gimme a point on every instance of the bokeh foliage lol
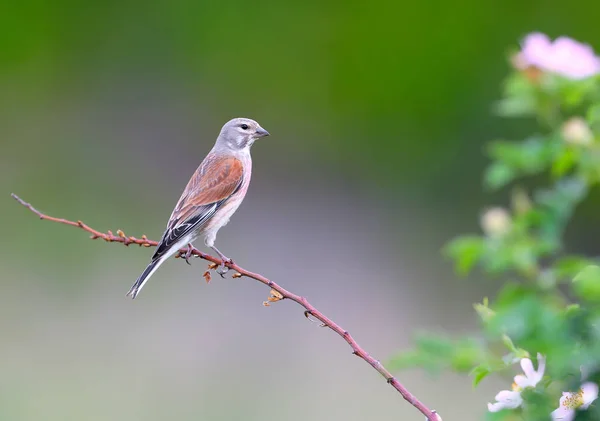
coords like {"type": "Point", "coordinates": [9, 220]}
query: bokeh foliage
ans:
{"type": "Point", "coordinates": [549, 304]}
{"type": "Point", "coordinates": [382, 71]}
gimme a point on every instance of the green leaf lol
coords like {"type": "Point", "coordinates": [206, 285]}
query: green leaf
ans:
{"type": "Point", "coordinates": [528, 157]}
{"type": "Point", "coordinates": [564, 162]}
{"type": "Point", "coordinates": [466, 355]}
{"type": "Point", "coordinates": [435, 353]}
{"type": "Point", "coordinates": [465, 251]}
{"type": "Point", "coordinates": [515, 107]}
{"type": "Point", "coordinates": [587, 283]}
{"type": "Point", "coordinates": [569, 266]}
{"type": "Point", "coordinates": [432, 353]}
{"type": "Point", "coordinates": [498, 175]}
{"type": "Point", "coordinates": [479, 373]}
{"type": "Point", "coordinates": [589, 163]}
{"type": "Point", "coordinates": [538, 405]}
{"type": "Point", "coordinates": [572, 310]}
{"type": "Point", "coordinates": [508, 343]}
{"type": "Point", "coordinates": [484, 311]}
{"type": "Point", "coordinates": [435, 345]}
{"type": "Point", "coordinates": [530, 320]}
{"type": "Point", "coordinates": [558, 204]}
{"type": "Point", "coordinates": [593, 115]}
{"type": "Point", "coordinates": [519, 97]}
{"type": "Point", "coordinates": [573, 93]}
{"type": "Point", "coordinates": [518, 85]}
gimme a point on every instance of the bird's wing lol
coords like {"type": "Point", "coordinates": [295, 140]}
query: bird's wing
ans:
{"type": "Point", "coordinates": [215, 180]}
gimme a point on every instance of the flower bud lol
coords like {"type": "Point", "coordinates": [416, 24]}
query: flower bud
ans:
{"type": "Point", "coordinates": [496, 222]}
{"type": "Point", "coordinates": [577, 132]}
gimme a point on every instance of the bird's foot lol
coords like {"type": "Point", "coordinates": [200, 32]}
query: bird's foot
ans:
{"type": "Point", "coordinates": [188, 253]}
{"type": "Point", "coordinates": [222, 270]}
{"type": "Point", "coordinates": [224, 260]}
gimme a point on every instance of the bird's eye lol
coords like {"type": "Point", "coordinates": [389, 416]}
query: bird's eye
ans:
{"type": "Point", "coordinates": [244, 127]}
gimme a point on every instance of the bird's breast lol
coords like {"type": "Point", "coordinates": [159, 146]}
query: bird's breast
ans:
{"type": "Point", "coordinates": [221, 217]}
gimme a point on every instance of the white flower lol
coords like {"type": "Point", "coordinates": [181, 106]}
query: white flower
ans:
{"type": "Point", "coordinates": [564, 56]}
{"type": "Point", "coordinates": [511, 399]}
{"type": "Point", "coordinates": [572, 401]}
{"type": "Point", "coordinates": [506, 399]}
{"type": "Point", "coordinates": [576, 131]}
{"type": "Point", "coordinates": [496, 222]}
{"type": "Point", "coordinates": [532, 377]}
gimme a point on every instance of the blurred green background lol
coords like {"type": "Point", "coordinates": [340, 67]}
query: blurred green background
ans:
{"type": "Point", "coordinates": [378, 112]}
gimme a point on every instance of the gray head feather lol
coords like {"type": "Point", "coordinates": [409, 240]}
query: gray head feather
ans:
{"type": "Point", "coordinates": [239, 134]}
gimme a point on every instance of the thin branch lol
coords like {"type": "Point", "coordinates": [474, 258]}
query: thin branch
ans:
{"type": "Point", "coordinates": [277, 293]}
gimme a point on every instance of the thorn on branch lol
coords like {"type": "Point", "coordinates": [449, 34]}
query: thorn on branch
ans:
{"type": "Point", "coordinates": [311, 317]}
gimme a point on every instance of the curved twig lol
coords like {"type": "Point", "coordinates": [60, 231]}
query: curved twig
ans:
{"type": "Point", "coordinates": [310, 310]}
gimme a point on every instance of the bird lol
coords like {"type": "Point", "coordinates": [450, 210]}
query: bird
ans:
{"type": "Point", "coordinates": [210, 198]}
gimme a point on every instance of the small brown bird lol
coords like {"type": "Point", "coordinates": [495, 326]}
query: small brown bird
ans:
{"type": "Point", "coordinates": [212, 195]}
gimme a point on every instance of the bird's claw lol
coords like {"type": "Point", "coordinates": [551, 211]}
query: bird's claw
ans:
{"type": "Point", "coordinates": [222, 270]}
{"type": "Point", "coordinates": [188, 254]}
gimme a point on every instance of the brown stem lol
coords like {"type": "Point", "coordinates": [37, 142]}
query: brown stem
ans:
{"type": "Point", "coordinates": [311, 311]}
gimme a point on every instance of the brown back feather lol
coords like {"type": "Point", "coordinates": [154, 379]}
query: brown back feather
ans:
{"type": "Point", "coordinates": [216, 179]}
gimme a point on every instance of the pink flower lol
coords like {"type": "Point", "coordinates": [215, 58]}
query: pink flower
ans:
{"type": "Point", "coordinates": [572, 401]}
{"type": "Point", "coordinates": [564, 56]}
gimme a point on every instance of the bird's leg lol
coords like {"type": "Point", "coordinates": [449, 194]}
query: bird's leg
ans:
{"type": "Point", "coordinates": [223, 269]}
{"type": "Point", "coordinates": [188, 253]}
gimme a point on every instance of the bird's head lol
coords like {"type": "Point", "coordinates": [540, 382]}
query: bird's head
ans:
{"type": "Point", "coordinates": [240, 133]}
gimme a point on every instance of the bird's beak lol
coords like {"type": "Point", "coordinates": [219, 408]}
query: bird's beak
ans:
{"type": "Point", "coordinates": [260, 132]}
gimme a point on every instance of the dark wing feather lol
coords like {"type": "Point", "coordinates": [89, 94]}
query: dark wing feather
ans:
{"type": "Point", "coordinates": [215, 180]}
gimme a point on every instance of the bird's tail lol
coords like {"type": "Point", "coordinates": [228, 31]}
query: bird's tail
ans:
{"type": "Point", "coordinates": [146, 274]}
